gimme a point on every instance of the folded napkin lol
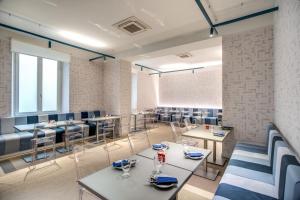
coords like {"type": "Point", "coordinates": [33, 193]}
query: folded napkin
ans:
{"type": "Point", "coordinates": [159, 146]}
{"type": "Point", "coordinates": [193, 154]}
{"type": "Point", "coordinates": [119, 163]}
{"type": "Point", "coordinates": [219, 133]}
{"type": "Point", "coordinates": [165, 180]}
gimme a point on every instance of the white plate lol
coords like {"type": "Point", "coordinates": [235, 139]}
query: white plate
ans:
{"type": "Point", "coordinates": [164, 186]}
{"type": "Point", "coordinates": [162, 148]}
{"type": "Point", "coordinates": [194, 158]}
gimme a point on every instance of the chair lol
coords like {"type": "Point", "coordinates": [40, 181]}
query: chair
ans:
{"type": "Point", "coordinates": [177, 135]}
{"type": "Point", "coordinates": [188, 125]}
{"type": "Point", "coordinates": [108, 128]}
{"type": "Point", "coordinates": [86, 163]}
{"type": "Point", "coordinates": [150, 119]}
{"type": "Point", "coordinates": [40, 144]}
{"type": "Point", "coordinates": [72, 134]}
{"type": "Point", "coordinates": [38, 141]}
{"type": "Point", "coordinates": [130, 135]}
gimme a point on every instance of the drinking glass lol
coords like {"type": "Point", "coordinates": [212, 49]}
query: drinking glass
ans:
{"type": "Point", "coordinates": [157, 164]}
{"type": "Point", "coordinates": [126, 169]}
{"type": "Point", "coordinates": [186, 147]}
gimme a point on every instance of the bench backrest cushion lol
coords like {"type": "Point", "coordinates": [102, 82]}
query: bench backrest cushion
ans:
{"type": "Point", "coordinates": [7, 123]}
{"type": "Point", "coordinates": [289, 183]}
{"type": "Point", "coordinates": [281, 149]}
{"type": "Point", "coordinates": [89, 114]}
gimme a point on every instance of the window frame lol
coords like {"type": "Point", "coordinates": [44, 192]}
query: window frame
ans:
{"type": "Point", "coordinates": [39, 86]}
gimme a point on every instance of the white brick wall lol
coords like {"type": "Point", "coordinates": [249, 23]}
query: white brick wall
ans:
{"type": "Point", "coordinates": [85, 85]}
{"type": "Point", "coordinates": [147, 90]}
{"type": "Point", "coordinates": [287, 70]}
{"type": "Point", "coordinates": [117, 89]}
{"type": "Point", "coordinates": [185, 89]}
{"type": "Point", "coordinates": [248, 84]}
{"type": "Point", "coordinates": [5, 78]}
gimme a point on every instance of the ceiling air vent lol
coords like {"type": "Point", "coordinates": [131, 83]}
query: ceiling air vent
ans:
{"type": "Point", "coordinates": [184, 55]}
{"type": "Point", "coordinates": [132, 25]}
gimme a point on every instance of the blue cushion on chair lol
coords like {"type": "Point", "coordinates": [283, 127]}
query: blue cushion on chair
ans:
{"type": "Point", "coordinates": [53, 117]}
{"type": "Point", "coordinates": [32, 119]}
{"type": "Point", "coordinates": [97, 113]}
{"type": "Point", "coordinates": [84, 115]}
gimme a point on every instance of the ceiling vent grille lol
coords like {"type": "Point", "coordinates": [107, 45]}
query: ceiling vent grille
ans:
{"type": "Point", "coordinates": [132, 25]}
{"type": "Point", "coordinates": [184, 55]}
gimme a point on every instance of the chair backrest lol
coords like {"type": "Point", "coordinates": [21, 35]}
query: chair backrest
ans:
{"type": "Point", "coordinates": [187, 124]}
{"type": "Point", "coordinates": [125, 123]}
{"type": "Point", "coordinates": [177, 135]}
{"type": "Point", "coordinates": [88, 160]}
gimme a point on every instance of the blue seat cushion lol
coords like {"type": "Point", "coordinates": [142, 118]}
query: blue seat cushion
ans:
{"type": "Point", "coordinates": [251, 148]}
{"type": "Point", "coordinates": [59, 134]}
{"type": "Point", "coordinates": [251, 166]}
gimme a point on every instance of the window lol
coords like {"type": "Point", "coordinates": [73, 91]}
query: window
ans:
{"type": "Point", "coordinates": [37, 85]}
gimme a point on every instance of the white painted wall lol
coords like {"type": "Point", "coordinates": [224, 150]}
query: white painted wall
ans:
{"type": "Point", "coordinates": [185, 89]}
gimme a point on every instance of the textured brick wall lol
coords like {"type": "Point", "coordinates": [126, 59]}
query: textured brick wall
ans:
{"type": "Point", "coordinates": [85, 85]}
{"type": "Point", "coordinates": [248, 84]}
{"type": "Point", "coordinates": [111, 86]}
{"type": "Point", "coordinates": [185, 89]}
{"type": "Point", "coordinates": [5, 78]}
{"type": "Point", "coordinates": [117, 89]}
{"type": "Point", "coordinates": [287, 70]}
{"type": "Point", "coordinates": [147, 90]}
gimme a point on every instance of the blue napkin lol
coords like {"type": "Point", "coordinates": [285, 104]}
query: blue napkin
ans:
{"type": "Point", "coordinates": [193, 154]}
{"type": "Point", "coordinates": [158, 146]}
{"type": "Point", "coordinates": [219, 133]}
{"type": "Point", "coordinates": [165, 180]}
{"type": "Point", "coordinates": [119, 163]}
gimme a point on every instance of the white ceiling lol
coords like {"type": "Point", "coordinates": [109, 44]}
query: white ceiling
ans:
{"type": "Point", "coordinates": [94, 18]}
{"type": "Point", "coordinates": [204, 54]}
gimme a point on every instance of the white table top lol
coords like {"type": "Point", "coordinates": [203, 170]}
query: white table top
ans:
{"type": "Point", "coordinates": [142, 113]}
{"type": "Point", "coordinates": [202, 133]}
{"type": "Point", "coordinates": [97, 119]}
{"type": "Point", "coordinates": [175, 156]}
{"type": "Point", "coordinates": [45, 125]}
{"type": "Point", "coordinates": [108, 183]}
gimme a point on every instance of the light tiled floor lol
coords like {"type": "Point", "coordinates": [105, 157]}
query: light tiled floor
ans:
{"type": "Point", "coordinates": [57, 182]}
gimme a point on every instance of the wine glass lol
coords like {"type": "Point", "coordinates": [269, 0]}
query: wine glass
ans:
{"type": "Point", "coordinates": [126, 168]}
{"type": "Point", "coordinates": [157, 164]}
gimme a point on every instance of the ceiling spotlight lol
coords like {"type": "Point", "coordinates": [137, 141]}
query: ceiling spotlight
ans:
{"type": "Point", "coordinates": [211, 32]}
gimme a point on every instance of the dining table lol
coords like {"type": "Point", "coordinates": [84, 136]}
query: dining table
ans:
{"type": "Point", "coordinates": [97, 121]}
{"type": "Point", "coordinates": [135, 119]}
{"type": "Point", "coordinates": [208, 135]}
{"type": "Point", "coordinates": [108, 183]}
{"type": "Point", "coordinates": [175, 156]}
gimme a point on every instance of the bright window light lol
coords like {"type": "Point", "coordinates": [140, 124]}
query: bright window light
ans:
{"type": "Point", "coordinates": [82, 39]}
